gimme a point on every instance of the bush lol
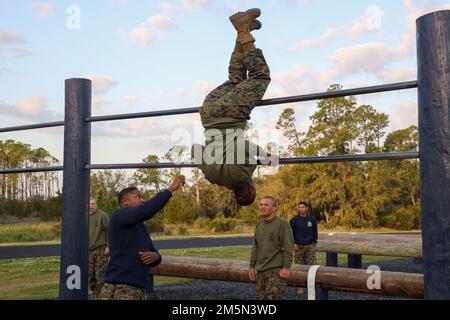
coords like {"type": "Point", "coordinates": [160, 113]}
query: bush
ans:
{"type": "Point", "coordinates": [223, 224]}
{"type": "Point", "coordinates": [155, 224]}
{"type": "Point", "coordinates": [182, 230]}
{"type": "Point", "coordinates": [405, 218]}
{"type": "Point", "coordinates": [203, 224]}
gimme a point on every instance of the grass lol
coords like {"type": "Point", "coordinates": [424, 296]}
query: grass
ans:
{"type": "Point", "coordinates": [33, 232]}
{"type": "Point", "coordinates": [38, 278]}
{"type": "Point", "coordinates": [29, 232]}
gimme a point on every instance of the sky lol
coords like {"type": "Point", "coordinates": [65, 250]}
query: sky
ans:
{"type": "Point", "coordinates": [156, 55]}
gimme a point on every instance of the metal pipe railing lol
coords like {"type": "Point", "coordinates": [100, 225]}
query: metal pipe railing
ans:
{"type": "Point", "coordinates": [283, 161]}
{"type": "Point", "coordinates": [33, 126]}
{"type": "Point", "coordinates": [267, 102]}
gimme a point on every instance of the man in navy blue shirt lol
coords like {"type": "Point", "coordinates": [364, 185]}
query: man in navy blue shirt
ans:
{"type": "Point", "coordinates": [131, 248]}
{"type": "Point", "coordinates": [304, 227]}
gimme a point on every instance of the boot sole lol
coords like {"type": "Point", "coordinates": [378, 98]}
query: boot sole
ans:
{"type": "Point", "coordinates": [255, 25]}
{"type": "Point", "coordinates": [255, 13]}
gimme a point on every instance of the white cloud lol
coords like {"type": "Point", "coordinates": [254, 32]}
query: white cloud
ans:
{"type": "Point", "coordinates": [329, 35]}
{"type": "Point", "coordinates": [404, 114]}
{"type": "Point", "coordinates": [358, 28]}
{"type": "Point", "coordinates": [142, 35]}
{"type": "Point", "coordinates": [161, 21]}
{"type": "Point", "coordinates": [101, 84]}
{"type": "Point", "coordinates": [98, 104]}
{"type": "Point", "coordinates": [43, 9]}
{"type": "Point", "coordinates": [9, 41]}
{"type": "Point", "coordinates": [179, 93]}
{"type": "Point", "coordinates": [33, 106]}
{"type": "Point", "coordinates": [368, 57]}
{"type": "Point", "coordinates": [19, 52]}
{"type": "Point", "coordinates": [408, 42]}
{"type": "Point", "coordinates": [168, 6]}
{"type": "Point", "coordinates": [195, 4]}
{"type": "Point", "coordinates": [130, 100]}
{"type": "Point", "coordinates": [398, 75]}
{"type": "Point", "coordinates": [9, 38]}
{"type": "Point", "coordinates": [132, 128]}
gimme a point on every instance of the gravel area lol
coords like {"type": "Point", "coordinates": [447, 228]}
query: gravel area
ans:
{"type": "Point", "coordinates": [221, 290]}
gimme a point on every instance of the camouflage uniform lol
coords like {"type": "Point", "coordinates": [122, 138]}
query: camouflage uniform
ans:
{"type": "Point", "coordinates": [269, 285]}
{"type": "Point", "coordinates": [306, 255]}
{"type": "Point", "coordinates": [112, 291]}
{"type": "Point", "coordinates": [97, 266]}
{"type": "Point", "coordinates": [237, 97]}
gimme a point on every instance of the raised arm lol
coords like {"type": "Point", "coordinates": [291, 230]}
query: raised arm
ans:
{"type": "Point", "coordinates": [147, 210]}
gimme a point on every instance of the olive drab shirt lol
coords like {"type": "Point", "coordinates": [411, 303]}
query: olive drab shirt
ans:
{"type": "Point", "coordinates": [273, 245]}
{"type": "Point", "coordinates": [98, 223]}
{"type": "Point", "coordinates": [236, 160]}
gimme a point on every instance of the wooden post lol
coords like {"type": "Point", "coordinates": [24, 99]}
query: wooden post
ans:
{"type": "Point", "coordinates": [433, 59]}
{"type": "Point", "coordinates": [77, 149]}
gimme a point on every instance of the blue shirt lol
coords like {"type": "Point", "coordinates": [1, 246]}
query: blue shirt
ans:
{"type": "Point", "coordinates": [304, 229]}
{"type": "Point", "coordinates": [127, 235]}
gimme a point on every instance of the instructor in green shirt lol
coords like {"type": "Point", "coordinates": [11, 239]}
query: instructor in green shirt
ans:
{"type": "Point", "coordinates": [98, 247]}
{"type": "Point", "coordinates": [272, 252]}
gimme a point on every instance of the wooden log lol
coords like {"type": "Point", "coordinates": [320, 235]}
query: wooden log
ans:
{"type": "Point", "coordinates": [408, 250]}
{"type": "Point", "coordinates": [372, 237]}
{"type": "Point", "coordinates": [398, 284]}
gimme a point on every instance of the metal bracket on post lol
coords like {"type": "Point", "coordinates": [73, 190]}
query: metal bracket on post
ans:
{"type": "Point", "coordinates": [332, 259]}
{"type": "Point", "coordinates": [75, 227]}
{"type": "Point", "coordinates": [355, 261]}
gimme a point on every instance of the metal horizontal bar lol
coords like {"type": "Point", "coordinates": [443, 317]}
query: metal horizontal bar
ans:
{"type": "Point", "coordinates": [158, 165]}
{"type": "Point", "coordinates": [299, 98]}
{"type": "Point", "coordinates": [26, 170]}
{"type": "Point", "coordinates": [267, 102]}
{"type": "Point", "coordinates": [149, 114]}
{"type": "Point", "coordinates": [283, 161]}
{"type": "Point", "coordinates": [342, 93]}
{"type": "Point", "coordinates": [353, 157]}
{"type": "Point", "coordinates": [33, 126]}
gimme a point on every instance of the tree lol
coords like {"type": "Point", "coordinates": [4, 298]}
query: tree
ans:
{"type": "Point", "coordinates": [332, 125]}
{"type": "Point", "coordinates": [286, 123]}
{"type": "Point", "coordinates": [149, 179]}
{"type": "Point", "coordinates": [370, 126]}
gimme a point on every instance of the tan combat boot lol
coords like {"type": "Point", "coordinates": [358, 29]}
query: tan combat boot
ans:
{"type": "Point", "coordinates": [244, 23]}
{"type": "Point", "coordinates": [241, 20]}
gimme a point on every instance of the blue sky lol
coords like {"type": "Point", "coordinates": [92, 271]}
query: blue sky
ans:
{"type": "Point", "coordinates": [153, 55]}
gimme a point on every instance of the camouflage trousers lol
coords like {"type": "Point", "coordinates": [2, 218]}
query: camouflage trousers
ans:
{"type": "Point", "coordinates": [237, 97]}
{"type": "Point", "coordinates": [269, 285]}
{"type": "Point", "coordinates": [306, 255]}
{"type": "Point", "coordinates": [97, 267]}
{"type": "Point", "coordinates": [111, 291]}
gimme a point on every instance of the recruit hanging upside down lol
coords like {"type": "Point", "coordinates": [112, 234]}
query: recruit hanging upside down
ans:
{"type": "Point", "coordinates": [226, 110]}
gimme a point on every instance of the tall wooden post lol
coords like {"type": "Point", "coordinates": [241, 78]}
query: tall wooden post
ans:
{"type": "Point", "coordinates": [75, 228]}
{"type": "Point", "coordinates": [433, 57]}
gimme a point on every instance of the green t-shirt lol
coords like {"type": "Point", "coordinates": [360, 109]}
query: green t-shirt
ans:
{"type": "Point", "coordinates": [98, 234]}
{"type": "Point", "coordinates": [235, 162]}
{"type": "Point", "coordinates": [224, 123]}
{"type": "Point", "coordinates": [273, 245]}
